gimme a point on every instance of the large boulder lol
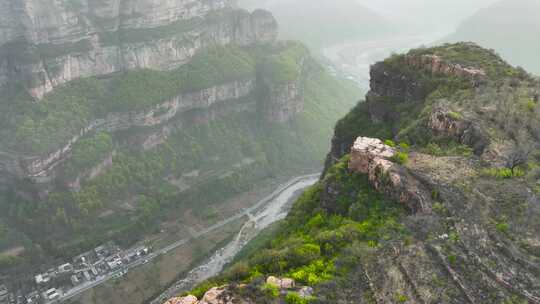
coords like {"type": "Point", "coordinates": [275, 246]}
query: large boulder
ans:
{"type": "Point", "coordinates": [282, 283]}
{"type": "Point", "coordinates": [217, 295]}
{"type": "Point", "coordinates": [372, 157]}
{"type": "Point", "coordinates": [183, 300]}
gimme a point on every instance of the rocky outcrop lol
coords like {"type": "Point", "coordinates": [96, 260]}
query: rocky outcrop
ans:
{"type": "Point", "coordinates": [57, 22]}
{"type": "Point", "coordinates": [229, 294]}
{"type": "Point", "coordinates": [183, 300]}
{"type": "Point", "coordinates": [391, 84]}
{"type": "Point", "coordinates": [451, 124]}
{"type": "Point", "coordinates": [286, 100]}
{"type": "Point", "coordinates": [372, 157]}
{"type": "Point", "coordinates": [436, 65]}
{"type": "Point", "coordinates": [56, 42]}
{"type": "Point", "coordinates": [41, 168]}
{"type": "Point", "coordinates": [401, 83]}
{"type": "Point", "coordinates": [216, 295]}
{"type": "Point", "coordinates": [282, 283]}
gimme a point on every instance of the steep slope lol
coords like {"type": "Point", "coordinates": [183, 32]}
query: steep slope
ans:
{"type": "Point", "coordinates": [325, 24]}
{"type": "Point", "coordinates": [509, 27]}
{"type": "Point", "coordinates": [47, 43]}
{"type": "Point", "coordinates": [199, 103]}
{"type": "Point", "coordinates": [448, 215]}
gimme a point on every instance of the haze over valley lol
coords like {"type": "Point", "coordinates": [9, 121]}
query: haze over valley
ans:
{"type": "Point", "coordinates": [269, 151]}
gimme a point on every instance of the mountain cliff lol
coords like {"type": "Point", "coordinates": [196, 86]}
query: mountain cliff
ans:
{"type": "Point", "coordinates": [430, 195]}
{"type": "Point", "coordinates": [144, 110]}
{"type": "Point", "coordinates": [47, 43]}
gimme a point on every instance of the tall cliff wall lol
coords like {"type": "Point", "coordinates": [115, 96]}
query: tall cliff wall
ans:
{"type": "Point", "coordinates": [47, 43]}
{"type": "Point", "coordinates": [41, 168]}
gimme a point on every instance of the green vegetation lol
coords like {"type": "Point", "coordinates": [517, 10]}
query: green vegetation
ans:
{"type": "Point", "coordinates": [502, 227]}
{"type": "Point", "coordinates": [233, 152]}
{"type": "Point", "coordinates": [531, 105]}
{"type": "Point", "coordinates": [310, 245]}
{"type": "Point", "coordinates": [270, 290]}
{"type": "Point", "coordinates": [285, 66]}
{"type": "Point", "coordinates": [390, 143]}
{"type": "Point", "coordinates": [401, 298]}
{"type": "Point", "coordinates": [452, 259]}
{"type": "Point", "coordinates": [294, 298]}
{"type": "Point", "coordinates": [43, 126]}
{"type": "Point", "coordinates": [471, 55]}
{"type": "Point", "coordinates": [455, 115]}
{"type": "Point", "coordinates": [447, 148]}
{"type": "Point", "coordinates": [88, 152]}
{"type": "Point", "coordinates": [48, 125]}
{"type": "Point", "coordinates": [503, 173]}
{"type": "Point", "coordinates": [401, 158]}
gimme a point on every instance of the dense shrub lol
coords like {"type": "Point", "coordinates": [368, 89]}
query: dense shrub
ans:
{"type": "Point", "coordinates": [401, 158]}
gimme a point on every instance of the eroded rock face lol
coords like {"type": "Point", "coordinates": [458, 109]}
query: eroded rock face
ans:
{"type": "Point", "coordinates": [286, 100]}
{"type": "Point", "coordinates": [56, 42]}
{"type": "Point", "coordinates": [41, 168]}
{"type": "Point", "coordinates": [372, 157]}
{"type": "Point", "coordinates": [444, 122]}
{"type": "Point", "coordinates": [437, 65]}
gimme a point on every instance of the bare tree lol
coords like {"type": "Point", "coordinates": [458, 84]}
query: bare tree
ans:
{"type": "Point", "coordinates": [519, 154]}
{"type": "Point", "coordinates": [517, 158]}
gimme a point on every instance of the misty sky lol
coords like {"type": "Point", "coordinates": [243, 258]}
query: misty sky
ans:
{"type": "Point", "coordinates": [426, 15]}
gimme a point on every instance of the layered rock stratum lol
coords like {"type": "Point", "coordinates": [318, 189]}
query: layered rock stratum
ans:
{"type": "Point", "coordinates": [47, 43]}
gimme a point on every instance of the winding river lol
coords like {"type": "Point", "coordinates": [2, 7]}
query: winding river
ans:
{"type": "Point", "coordinates": [269, 210]}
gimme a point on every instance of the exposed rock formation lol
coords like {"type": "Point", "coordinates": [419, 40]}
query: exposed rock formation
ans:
{"type": "Point", "coordinates": [372, 157]}
{"type": "Point", "coordinates": [216, 295]}
{"type": "Point", "coordinates": [282, 283]}
{"type": "Point", "coordinates": [41, 168]}
{"type": "Point", "coordinates": [444, 122]}
{"type": "Point", "coordinates": [436, 65]}
{"type": "Point", "coordinates": [398, 84]}
{"type": "Point", "coordinates": [56, 42]}
{"type": "Point", "coordinates": [183, 300]}
{"type": "Point", "coordinates": [286, 101]}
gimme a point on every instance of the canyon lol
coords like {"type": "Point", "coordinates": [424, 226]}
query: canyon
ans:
{"type": "Point", "coordinates": [134, 116]}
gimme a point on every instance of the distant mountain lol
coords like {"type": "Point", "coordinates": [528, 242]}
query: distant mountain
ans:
{"type": "Point", "coordinates": [426, 16]}
{"type": "Point", "coordinates": [328, 22]}
{"type": "Point", "coordinates": [511, 27]}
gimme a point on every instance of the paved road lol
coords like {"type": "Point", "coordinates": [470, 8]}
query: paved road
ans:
{"type": "Point", "coordinates": [246, 212]}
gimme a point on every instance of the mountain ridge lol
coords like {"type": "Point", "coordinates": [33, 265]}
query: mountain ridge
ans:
{"type": "Point", "coordinates": [429, 195]}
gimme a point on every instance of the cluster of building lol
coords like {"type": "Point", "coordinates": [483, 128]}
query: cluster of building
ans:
{"type": "Point", "coordinates": [8, 297]}
{"type": "Point", "coordinates": [105, 260]}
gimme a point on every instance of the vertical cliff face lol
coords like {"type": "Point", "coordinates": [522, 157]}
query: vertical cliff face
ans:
{"type": "Point", "coordinates": [56, 22]}
{"type": "Point", "coordinates": [56, 42]}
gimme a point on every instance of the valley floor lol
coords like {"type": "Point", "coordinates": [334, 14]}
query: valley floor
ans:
{"type": "Point", "coordinates": [171, 264]}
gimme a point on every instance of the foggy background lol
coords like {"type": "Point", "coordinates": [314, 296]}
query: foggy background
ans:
{"type": "Point", "coordinates": [353, 34]}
